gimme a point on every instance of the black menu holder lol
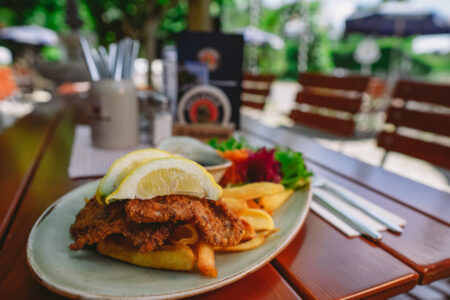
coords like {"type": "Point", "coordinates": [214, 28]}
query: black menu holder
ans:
{"type": "Point", "coordinates": [223, 54]}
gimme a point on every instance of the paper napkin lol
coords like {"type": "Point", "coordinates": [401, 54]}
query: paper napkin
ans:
{"type": "Point", "coordinates": [88, 161]}
{"type": "Point", "coordinates": [337, 222]}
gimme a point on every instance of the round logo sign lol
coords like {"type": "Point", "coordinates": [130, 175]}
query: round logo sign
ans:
{"type": "Point", "coordinates": [204, 104]}
{"type": "Point", "coordinates": [210, 57]}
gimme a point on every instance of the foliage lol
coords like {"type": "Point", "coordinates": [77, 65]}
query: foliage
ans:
{"type": "Point", "coordinates": [51, 53]}
{"type": "Point", "coordinates": [45, 13]}
{"type": "Point", "coordinates": [285, 64]}
{"type": "Point", "coordinates": [113, 19]}
{"type": "Point", "coordinates": [174, 22]}
{"type": "Point", "coordinates": [392, 51]}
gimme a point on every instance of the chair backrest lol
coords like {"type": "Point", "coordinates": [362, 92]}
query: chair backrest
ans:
{"type": "Point", "coordinates": [255, 89]}
{"type": "Point", "coordinates": [425, 108]}
{"type": "Point", "coordinates": [340, 96]}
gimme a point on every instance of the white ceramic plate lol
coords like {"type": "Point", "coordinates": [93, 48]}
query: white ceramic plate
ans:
{"type": "Point", "coordinates": [87, 274]}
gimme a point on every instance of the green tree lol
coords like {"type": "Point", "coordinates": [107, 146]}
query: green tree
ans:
{"type": "Point", "coordinates": [45, 13]}
{"type": "Point", "coordinates": [139, 19]}
{"type": "Point", "coordinates": [319, 47]}
{"type": "Point", "coordinates": [392, 49]}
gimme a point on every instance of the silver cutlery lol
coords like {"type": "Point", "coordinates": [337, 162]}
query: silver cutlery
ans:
{"type": "Point", "coordinates": [98, 63]}
{"type": "Point", "coordinates": [318, 182]}
{"type": "Point", "coordinates": [92, 68]}
{"type": "Point", "coordinates": [104, 59]}
{"type": "Point", "coordinates": [134, 55]}
{"type": "Point", "coordinates": [365, 230]}
{"type": "Point", "coordinates": [116, 65]}
{"type": "Point", "coordinates": [112, 58]}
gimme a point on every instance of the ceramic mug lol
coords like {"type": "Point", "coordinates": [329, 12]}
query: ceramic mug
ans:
{"type": "Point", "coordinates": [115, 114]}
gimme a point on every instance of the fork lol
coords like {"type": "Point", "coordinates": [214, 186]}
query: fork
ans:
{"type": "Point", "coordinates": [318, 182]}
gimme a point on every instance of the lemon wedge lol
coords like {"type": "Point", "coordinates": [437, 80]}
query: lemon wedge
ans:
{"type": "Point", "coordinates": [123, 166]}
{"type": "Point", "coordinates": [167, 176]}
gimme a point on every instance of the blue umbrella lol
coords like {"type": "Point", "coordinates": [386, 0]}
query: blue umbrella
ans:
{"type": "Point", "coordinates": [397, 19]}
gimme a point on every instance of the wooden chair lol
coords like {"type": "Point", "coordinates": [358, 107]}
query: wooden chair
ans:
{"type": "Point", "coordinates": [255, 89]}
{"type": "Point", "coordinates": [341, 97]}
{"type": "Point", "coordinates": [424, 107]}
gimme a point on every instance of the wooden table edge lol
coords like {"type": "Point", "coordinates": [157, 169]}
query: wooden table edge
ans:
{"type": "Point", "coordinates": [25, 182]}
{"type": "Point", "coordinates": [405, 284]}
{"type": "Point", "coordinates": [427, 274]}
{"type": "Point", "coordinates": [368, 187]}
{"type": "Point", "coordinates": [391, 288]}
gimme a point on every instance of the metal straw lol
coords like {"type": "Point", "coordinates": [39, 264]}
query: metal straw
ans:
{"type": "Point", "coordinates": [134, 55]}
{"type": "Point", "coordinates": [128, 43]}
{"type": "Point", "coordinates": [93, 71]}
{"type": "Point", "coordinates": [117, 64]}
{"type": "Point", "coordinates": [112, 58]}
{"type": "Point", "coordinates": [104, 60]}
{"type": "Point", "coordinates": [98, 63]}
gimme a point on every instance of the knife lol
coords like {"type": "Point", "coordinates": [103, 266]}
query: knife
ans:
{"type": "Point", "coordinates": [320, 183]}
{"type": "Point", "coordinates": [365, 230]}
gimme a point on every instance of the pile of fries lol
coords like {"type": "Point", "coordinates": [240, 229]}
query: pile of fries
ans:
{"type": "Point", "coordinates": [253, 203]}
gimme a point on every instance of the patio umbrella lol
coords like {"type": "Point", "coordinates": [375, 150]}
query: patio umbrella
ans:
{"type": "Point", "coordinates": [397, 19]}
{"type": "Point", "coordinates": [30, 35]}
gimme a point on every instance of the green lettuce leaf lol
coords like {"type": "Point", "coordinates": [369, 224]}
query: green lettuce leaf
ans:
{"type": "Point", "coordinates": [294, 172]}
{"type": "Point", "coordinates": [230, 144]}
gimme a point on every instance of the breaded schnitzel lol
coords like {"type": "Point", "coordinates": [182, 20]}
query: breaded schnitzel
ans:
{"type": "Point", "coordinates": [95, 222]}
{"type": "Point", "coordinates": [217, 225]}
{"type": "Point", "coordinates": [146, 224]}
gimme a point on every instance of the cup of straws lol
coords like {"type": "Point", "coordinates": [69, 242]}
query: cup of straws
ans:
{"type": "Point", "coordinates": [113, 99]}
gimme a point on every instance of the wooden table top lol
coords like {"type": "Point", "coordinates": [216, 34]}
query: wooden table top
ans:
{"type": "Point", "coordinates": [321, 262]}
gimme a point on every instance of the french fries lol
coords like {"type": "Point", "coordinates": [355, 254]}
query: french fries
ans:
{"type": "Point", "coordinates": [206, 261]}
{"type": "Point", "coordinates": [249, 231]}
{"type": "Point", "coordinates": [253, 190]}
{"type": "Point", "coordinates": [272, 202]}
{"type": "Point", "coordinates": [185, 235]}
{"type": "Point", "coordinates": [258, 219]}
{"type": "Point", "coordinates": [236, 205]}
{"type": "Point", "coordinates": [251, 244]}
{"type": "Point", "coordinates": [254, 203]}
{"type": "Point", "coordinates": [178, 258]}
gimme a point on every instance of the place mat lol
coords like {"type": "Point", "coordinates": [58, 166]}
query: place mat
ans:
{"type": "Point", "coordinates": [88, 161]}
{"type": "Point", "coordinates": [344, 206]}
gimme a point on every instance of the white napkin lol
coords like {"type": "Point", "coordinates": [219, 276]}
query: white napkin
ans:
{"type": "Point", "coordinates": [344, 206]}
{"type": "Point", "coordinates": [88, 161]}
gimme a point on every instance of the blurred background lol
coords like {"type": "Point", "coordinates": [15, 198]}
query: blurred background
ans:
{"type": "Point", "coordinates": [387, 40]}
{"type": "Point", "coordinates": [321, 24]}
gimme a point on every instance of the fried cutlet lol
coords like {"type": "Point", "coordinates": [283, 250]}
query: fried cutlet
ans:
{"type": "Point", "coordinates": [95, 222]}
{"type": "Point", "coordinates": [217, 225]}
{"type": "Point", "coordinates": [146, 224]}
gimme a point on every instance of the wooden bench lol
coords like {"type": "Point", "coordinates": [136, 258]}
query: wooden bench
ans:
{"type": "Point", "coordinates": [255, 89]}
{"type": "Point", "coordinates": [330, 103]}
{"type": "Point", "coordinates": [424, 108]}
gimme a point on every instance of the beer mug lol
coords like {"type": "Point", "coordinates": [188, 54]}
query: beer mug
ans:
{"type": "Point", "coordinates": [115, 114]}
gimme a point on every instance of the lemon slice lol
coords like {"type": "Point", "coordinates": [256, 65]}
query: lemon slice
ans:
{"type": "Point", "coordinates": [167, 176]}
{"type": "Point", "coordinates": [123, 166]}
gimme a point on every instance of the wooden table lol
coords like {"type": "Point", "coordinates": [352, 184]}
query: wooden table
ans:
{"type": "Point", "coordinates": [321, 263]}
